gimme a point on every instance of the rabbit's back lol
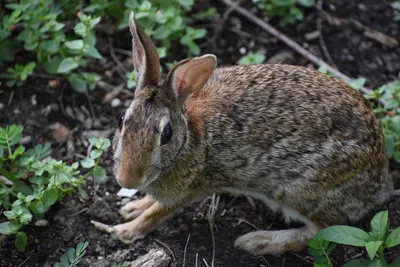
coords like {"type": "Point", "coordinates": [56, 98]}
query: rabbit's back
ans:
{"type": "Point", "coordinates": [291, 133]}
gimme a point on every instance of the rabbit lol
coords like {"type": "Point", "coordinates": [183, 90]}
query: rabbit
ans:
{"type": "Point", "coordinates": [305, 143]}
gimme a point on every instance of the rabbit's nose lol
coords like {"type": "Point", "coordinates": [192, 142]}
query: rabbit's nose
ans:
{"type": "Point", "coordinates": [129, 179]}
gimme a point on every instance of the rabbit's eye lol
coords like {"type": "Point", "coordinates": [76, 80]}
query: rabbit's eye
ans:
{"type": "Point", "coordinates": [166, 134]}
{"type": "Point", "coordinates": [121, 118]}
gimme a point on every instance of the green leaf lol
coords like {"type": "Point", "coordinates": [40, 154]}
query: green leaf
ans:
{"type": "Point", "coordinates": [395, 263]}
{"type": "Point", "coordinates": [307, 3]}
{"type": "Point", "coordinates": [357, 263]}
{"type": "Point", "coordinates": [80, 29]}
{"type": "Point", "coordinates": [372, 247]}
{"type": "Point", "coordinates": [393, 239]}
{"type": "Point", "coordinates": [379, 225]}
{"type": "Point", "coordinates": [75, 44]}
{"type": "Point", "coordinates": [186, 3]}
{"type": "Point", "coordinates": [88, 163]}
{"type": "Point", "coordinates": [64, 260]}
{"type": "Point", "coordinates": [357, 83]}
{"type": "Point", "coordinates": [67, 65]}
{"type": "Point", "coordinates": [390, 145]}
{"type": "Point", "coordinates": [49, 197]}
{"type": "Point", "coordinates": [96, 153]}
{"type": "Point", "coordinates": [81, 247]}
{"type": "Point", "coordinates": [99, 174]}
{"type": "Point", "coordinates": [345, 235]}
{"type": "Point", "coordinates": [20, 242]}
{"type": "Point", "coordinates": [77, 83]}
{"type": "Point", "coordinates": [71, 254]}
{"type": "Point", "coordinates": [6, 228]}
{"type": "Point", "coordinates": [91, 51]}
{"type": "Point", "coordinates": [378, 263]}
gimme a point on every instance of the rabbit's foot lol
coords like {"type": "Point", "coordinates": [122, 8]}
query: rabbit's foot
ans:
{"type": "Point", "coordinates": [129, 232]}
{"type": "Point", "coordinates": [275, 242]}
{"type": "Point", "coordinates": [133, 209]}
{"type": "Point", "coordinates": [138, 228]}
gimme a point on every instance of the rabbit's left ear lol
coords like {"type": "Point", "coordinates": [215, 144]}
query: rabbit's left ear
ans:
{"type": "Point", "coordinates": [144, 56]}
{"type": "Point", "coordinates": [190, 75]}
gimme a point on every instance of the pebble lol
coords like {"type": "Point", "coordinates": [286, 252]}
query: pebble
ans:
{"type": "Point", "coordinates": [115, 102]}
{"type": "Point", "coordinates": [41, 223]}
{"type": "Point", "coordinates": [242, 50]}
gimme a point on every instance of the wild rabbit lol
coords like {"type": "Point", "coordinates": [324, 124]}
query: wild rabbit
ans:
{"type": "Point", "coordinates": [301, 141]}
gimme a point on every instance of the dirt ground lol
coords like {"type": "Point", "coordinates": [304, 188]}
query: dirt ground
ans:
{"type": "Point", "coordinates": [42, 109]}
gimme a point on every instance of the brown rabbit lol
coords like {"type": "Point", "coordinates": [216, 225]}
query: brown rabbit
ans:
{"type": "Point", "coordinates": [301, 141]}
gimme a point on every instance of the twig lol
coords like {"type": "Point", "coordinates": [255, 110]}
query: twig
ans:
{"type": "Point", "coordinates": [123, 51]}
{"type": "Point", "coordinates": [324, 49]}
{"type": "Point", "coordinates": [79, 212]}
{"type": "Point", "coordinates": [167, 247]}
{"type": "Point", "coordinates": [262, 257]}
{"type": "Point", "coordinates": [204, 260]}
{"type": "Point", "coordinates": [30, 254]}
{"type": "Point", "coordinates": [292, 44]}
{"type": "Point", "coordinates": [121, 66]}
{"type": "Point", "coordinates": [184, 252]}
{"type": "Point", "coordinates": [211, 216]}
{"type": "Point", "coordinates": [90, 104]}
{"type": "Point", "coordinates": [11, 98]}
{"type": "Point", "coordinates": [240, 220]}
{"type": "Point", "coordinates": [221, 24]}
{"type": "Point", "coordinates": [197, 258]}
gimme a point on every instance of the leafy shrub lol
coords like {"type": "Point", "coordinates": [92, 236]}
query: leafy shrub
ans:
{"type": "Point", "coordinates": [396, 6]}
{"type": "Point", "coordinates": [73, 256]}
{"type": "Point", "coordinates": [375, 242]}
{"type": "Point", "coordinates": [39, 27]}
{"type": "Point", "coordinates": [389, 115]}
{"type": "Point", "coordinates": [286, 10]}
{"type": "Point", "coordinates": [35, 26]}
{"type": "Point", "coordinates": [252, 58]}
{"type": "Point", "coordinates": [31, 182]}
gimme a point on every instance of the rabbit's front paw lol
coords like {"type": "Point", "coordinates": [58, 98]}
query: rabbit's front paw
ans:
{"type": "Point", "coordinates": [128, 233]}
{"type": "Point", "coordinates": [134, 208]}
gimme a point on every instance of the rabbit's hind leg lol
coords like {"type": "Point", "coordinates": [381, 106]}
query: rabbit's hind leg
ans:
{"type": "Point", "coordinates": [134, 208]}
{"type": "Point", "coordinates": [277, 242]}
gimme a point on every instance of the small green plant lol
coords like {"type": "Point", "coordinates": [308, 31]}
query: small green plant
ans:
{"type": "Point", "coordinates": [31, 182]}
{"type": "Point", "coordinates": [35, 26]}
{"type": "Point", "coordinates": [38, 27]}
{"type": "Point", "coordinates": [286, 10]}
{"type": "Point", "coordinates": [131, 79]}
{"type": "Point", "coordinates": [18, 74]}
{"type": "Point", "coordinates": [396, 6]}
{"type": "Point", "coordinates": [389, 115]}
{"type": "Point", "coordinates": [252, 58]}
{"type": "Point", "coordinates": [375, 243]}
{"type": "Point", "coordinates": [73, 256]}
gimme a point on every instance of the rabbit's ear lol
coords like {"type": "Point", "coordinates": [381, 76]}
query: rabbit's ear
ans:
{"type": "Point", "coordinates": [144, 55]}
{"type": "Point", "coordinates": [190, 75]}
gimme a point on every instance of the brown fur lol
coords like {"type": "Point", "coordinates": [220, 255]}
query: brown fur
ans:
{"type": "Point", "coordinates": [293, 137]}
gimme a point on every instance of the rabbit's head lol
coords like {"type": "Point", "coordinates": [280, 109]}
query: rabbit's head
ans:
{"type": "Point", "coordinates": [153, 131]}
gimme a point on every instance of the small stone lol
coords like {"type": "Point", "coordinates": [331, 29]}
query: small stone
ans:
{"type": "Point", "coordinates": [41, 223]}
{"type": "Point", "coordinates": [242, 50]}
{"type": "Point", "coordinates": [126, 192]}
{"type": "Point", "coordinates": [115, 102]}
